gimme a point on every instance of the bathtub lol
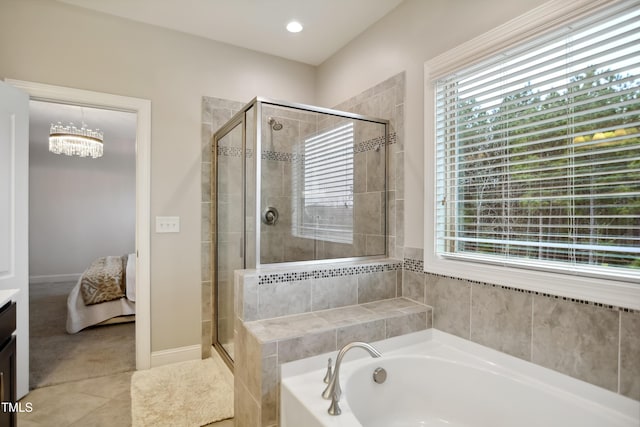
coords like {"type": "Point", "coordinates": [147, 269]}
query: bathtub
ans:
{"type": "Point", "coordinates": [436, 379]}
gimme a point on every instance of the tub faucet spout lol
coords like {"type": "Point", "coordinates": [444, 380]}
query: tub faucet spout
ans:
{"type": "Point", "coordinates": [333, 390]}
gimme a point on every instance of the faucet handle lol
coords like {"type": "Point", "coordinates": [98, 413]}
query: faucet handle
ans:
{"type": "Point", "coordinates": [327, 376]}
{"type": "Point", "coordinates": [334, 408]}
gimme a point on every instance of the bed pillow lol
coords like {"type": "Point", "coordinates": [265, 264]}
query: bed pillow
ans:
{"type": "Point", "coordinates": [103, 280]}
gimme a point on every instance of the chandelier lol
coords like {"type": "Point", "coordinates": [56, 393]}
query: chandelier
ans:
{"type": "Point", "coordinates": [69, 140]}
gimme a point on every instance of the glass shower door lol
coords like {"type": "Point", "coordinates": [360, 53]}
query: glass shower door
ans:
{"type": "Point", "coordinates": [230, 251]}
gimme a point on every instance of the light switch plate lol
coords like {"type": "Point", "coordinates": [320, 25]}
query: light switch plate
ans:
{"type": "Point", "coordinates": [167, 224]}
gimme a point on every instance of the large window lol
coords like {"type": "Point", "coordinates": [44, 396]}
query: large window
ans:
{"type": "Point", "coordinates": [538, 152]}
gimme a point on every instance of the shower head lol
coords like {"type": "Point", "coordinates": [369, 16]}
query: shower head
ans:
{"type": "Point", "coordinates": [275, 125]}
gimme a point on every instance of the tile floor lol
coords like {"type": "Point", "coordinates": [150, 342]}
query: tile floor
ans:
{"type": "Point", "coordinates": [96, 402]}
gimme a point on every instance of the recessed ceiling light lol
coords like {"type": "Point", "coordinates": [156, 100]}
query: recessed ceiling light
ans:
{"type": "Point", "coordinates": [294, 27]}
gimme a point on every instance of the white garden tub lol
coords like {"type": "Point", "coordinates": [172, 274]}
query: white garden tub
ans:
{"type": "Point", "coordinates": [447, 381]}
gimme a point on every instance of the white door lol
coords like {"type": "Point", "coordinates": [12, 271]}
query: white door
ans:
{"type": "Point", "coordinates": [14, 214]}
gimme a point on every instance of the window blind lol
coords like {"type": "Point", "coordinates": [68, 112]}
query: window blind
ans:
{"type": "Point", "coordinates": [538, 151]}
{"type": "Point", "coordinates": [327, 191]}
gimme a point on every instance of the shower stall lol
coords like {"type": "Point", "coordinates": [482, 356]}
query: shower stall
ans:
{"type": "Point", "coordinates": [294, 185]}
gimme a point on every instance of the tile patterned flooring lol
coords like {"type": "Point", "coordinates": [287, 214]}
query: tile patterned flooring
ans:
{"type": "Point", "coordinates": [96, 402]}
{"type": "Point", "coordinates": [93, 402]}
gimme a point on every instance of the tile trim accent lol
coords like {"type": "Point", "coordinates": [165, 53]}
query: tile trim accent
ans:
{"type": "Point", "coordinates": [374, 143]}
{"type": "Point", "coordinates": [360, 147]}
{"type": "Point", "coordinates": [294, 276]}
{"type": "Point", "coordinates": [417, 266]}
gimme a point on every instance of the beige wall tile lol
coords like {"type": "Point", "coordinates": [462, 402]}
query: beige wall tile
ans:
{"type": "Point", "coordinates": [413, 286]}
{"type": "Point", "coordinates": [406, 324]}
{"type": "Point", "coordinates": [360, 172]}
{"type": "Point", "coordinates": [399, 221]}
{"type": "Point", "coordinates": [306, 346]}
{"type": "Point", "coordinates": [246, 409]}
{"type": "Point", "coordinates": [630, 355]}
{"type": "Point", "coordinates": [399, 173]}
{"type": "Point", "coordinates": [205, 344]}
{"type": "Point", "coordinates": [451, 302]}
{"type": "Point", "coordinates": [367, 215]}
{"type": "Point", "coordinates": [501, 319]}
{"type": "Point", "coordinates": [376, 170]}
{"type": "Point", "coordinates": [246, 297]}
{"type": "Point", "coordinates": [367, 332]}
{"type": "Point", "coordinates": [270, 390]}
{"type": "Point", "coordinates": [576, 339]}
{"type": "Point", "coordinates": [283, 299]}
{"type": "Point", "coordinates": [374, 245]}
{"type": "Point", "coordinates": [376, 286]}
{"type": "Point", "coordinates": [334, 292]}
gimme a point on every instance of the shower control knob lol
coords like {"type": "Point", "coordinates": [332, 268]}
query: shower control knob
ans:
{"type": "Point", "coordinates": [270, 216]}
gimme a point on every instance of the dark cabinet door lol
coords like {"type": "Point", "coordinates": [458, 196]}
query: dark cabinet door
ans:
{"type": "Point", "coordinates": [8, 411]}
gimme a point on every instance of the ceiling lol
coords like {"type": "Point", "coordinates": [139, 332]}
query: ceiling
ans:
{"type": "Point", "coordinates": [119, 127]}
{"type": "Point", "coordinates": [253, 24]}
{"type": "Point", "coordinates": [258, 24]}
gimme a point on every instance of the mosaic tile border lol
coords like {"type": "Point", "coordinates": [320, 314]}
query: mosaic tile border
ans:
{"type": "Point", "coordinates": [227, 151]}
{"type": "Point", "coordinates": [373, 144]}
{"type": "Point", "coordinates": [360, 147]}
{"type": "Point", "coordinates": [324, 273]}
{"type": "Point", "coordinates": [282, 157]}
{"type": "Point", "coordinates": [417, 266]}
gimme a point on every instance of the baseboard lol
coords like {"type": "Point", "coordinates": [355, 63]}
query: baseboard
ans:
{"type": "Point", "coordinates": [175, 355]}
{"type": "Point", "coordinates": [55, 278]}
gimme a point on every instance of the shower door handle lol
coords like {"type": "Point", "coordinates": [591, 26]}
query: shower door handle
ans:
{"type": "Point", "coordinates": [241, 248]}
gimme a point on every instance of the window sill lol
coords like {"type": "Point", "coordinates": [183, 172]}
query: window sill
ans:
{"type": "Point", "coordinates": [604, 291]}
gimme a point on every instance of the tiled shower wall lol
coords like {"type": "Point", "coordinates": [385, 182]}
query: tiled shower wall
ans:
{"type": "Point", "coordinates": [282, 162]}
{"type": "Point", "coordinates": [215, 113]}
{"type": "Point", "coordinates": [595, 343]}
{"type": "Point", "coordinates": [386, 101]}
{"type": "Point", "coordinates": [277, 243]}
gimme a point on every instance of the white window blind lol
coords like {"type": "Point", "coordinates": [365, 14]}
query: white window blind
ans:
{"type": "Point", "coordinates": [327, 186]}
{"type": "Point", "coordinates": [538, 152]}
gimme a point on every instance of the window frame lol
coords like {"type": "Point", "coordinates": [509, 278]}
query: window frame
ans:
{"type": "Point", "coordinates": [536, 23]}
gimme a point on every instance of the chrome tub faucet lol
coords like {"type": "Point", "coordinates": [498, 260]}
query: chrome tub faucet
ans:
{"type": "Point", "coordinates": [333, 390]}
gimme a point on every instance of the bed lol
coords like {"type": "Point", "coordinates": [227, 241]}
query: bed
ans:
{"type": "Point", "coordinates": [104, 294]}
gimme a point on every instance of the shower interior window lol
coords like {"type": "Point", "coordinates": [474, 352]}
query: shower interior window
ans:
{"type": "Point", "coordinates": [324, 184]}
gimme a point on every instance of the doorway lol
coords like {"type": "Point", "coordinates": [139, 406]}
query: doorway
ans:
{"type": "Point", "coordinates": [142, 109]}
{"type": "Point", "coordinates": [81, 214]}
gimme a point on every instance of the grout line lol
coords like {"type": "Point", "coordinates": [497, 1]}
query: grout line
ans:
{"type": "Point", "coordinates": [470, 309]}
{"type": "Point", "coordinates": [619, 348]}
{"type": "Point", "coordinates": [531, 339]}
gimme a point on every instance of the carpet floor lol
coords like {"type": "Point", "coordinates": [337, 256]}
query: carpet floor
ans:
{"type": "Point", "coordinates": [57, 357]}
{"type": "Point", "coordinates": [186, 394]}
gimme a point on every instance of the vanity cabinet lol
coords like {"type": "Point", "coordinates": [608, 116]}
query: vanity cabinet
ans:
{"type": "Point", "coordinates": [8, 416]}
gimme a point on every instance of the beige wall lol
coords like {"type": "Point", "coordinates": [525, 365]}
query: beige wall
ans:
{"type": "Point", "coordinates": [54, 43]}
{"type": "Point", "coordinates": [417, 30]}
{"type": "Point", "coordinates": [80, 209]}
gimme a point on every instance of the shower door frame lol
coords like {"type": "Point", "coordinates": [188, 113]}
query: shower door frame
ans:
{"type": "Point", "coordinates": [240, 119]}
{"type": "Point", "coordinates": [258, 101]}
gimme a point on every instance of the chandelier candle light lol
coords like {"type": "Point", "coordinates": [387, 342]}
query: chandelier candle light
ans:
{"type": "Point", "coordinates": [72, 141]}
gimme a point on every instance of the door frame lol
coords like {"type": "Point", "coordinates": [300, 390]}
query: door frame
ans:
{"type": "Point", "coordinates": [142, 108]}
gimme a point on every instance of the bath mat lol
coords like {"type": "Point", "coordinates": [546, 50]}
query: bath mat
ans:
{"type": "Point", "coordinates": [188, 394]}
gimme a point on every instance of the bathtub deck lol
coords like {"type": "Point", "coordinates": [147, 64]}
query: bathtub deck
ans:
{"type": "Point", "coordinates": [267, 344]}
{"type": "Point", "coordinates": [363, 322]}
